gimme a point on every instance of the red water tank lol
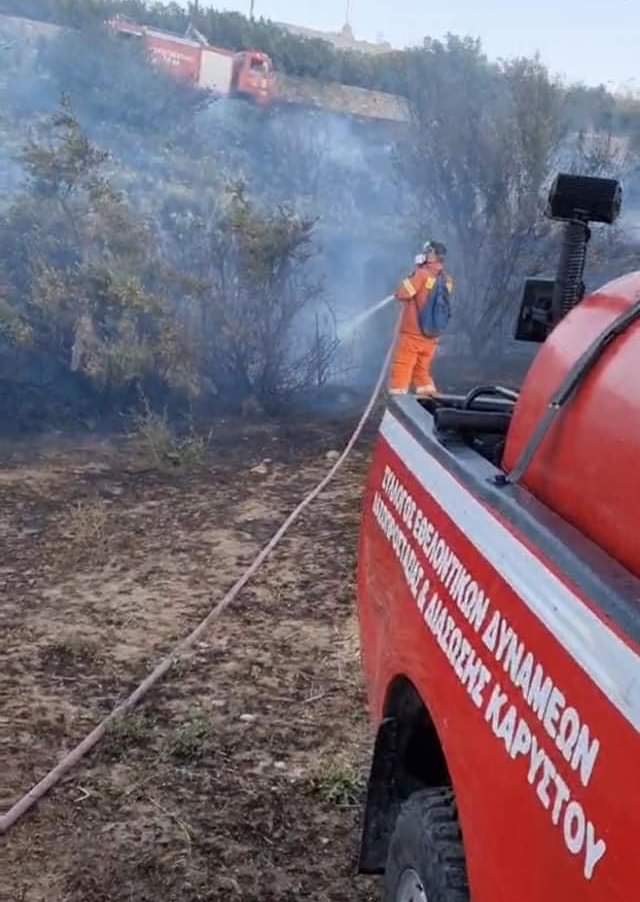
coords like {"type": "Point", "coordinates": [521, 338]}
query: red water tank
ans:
{"type": "Point", "coordinates": [588, 467]}
{"type": "Point", "coordinates": [178, 56]}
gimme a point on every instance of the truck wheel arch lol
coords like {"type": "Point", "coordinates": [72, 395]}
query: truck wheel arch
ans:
{"type": "Point", "coordinates": [408, 756]}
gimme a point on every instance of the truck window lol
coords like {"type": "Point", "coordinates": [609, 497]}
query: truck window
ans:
{"type": "Point", "coordinates": [259, 66]}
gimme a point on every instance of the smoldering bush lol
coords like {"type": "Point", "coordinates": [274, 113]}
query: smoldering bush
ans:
{"type": "Point", "coordinates": [110, 83]}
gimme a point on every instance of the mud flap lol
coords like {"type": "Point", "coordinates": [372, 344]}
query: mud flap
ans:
{"type": "Point", "coordinates": [383, 801]}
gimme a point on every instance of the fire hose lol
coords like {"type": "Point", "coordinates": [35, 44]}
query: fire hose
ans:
{"type": "Point", "coordinates": [21, 807]}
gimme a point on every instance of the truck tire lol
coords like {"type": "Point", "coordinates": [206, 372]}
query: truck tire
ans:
{"type": "Point", "coordinates": [426, 856]}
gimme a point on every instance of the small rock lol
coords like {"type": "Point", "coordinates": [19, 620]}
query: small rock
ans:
{"type": "Point", "coordinates": [248, 718]}
{"type": "Point", "coordinates": [332, 456]}
{"type": "Point", "coordinates": [262, 467]}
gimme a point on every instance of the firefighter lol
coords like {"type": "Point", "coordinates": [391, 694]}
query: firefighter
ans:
{"type": "Point", "coordinates": [416, 348]}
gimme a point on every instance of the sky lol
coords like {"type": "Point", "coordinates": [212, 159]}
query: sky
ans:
{"type": "Point", "coordinates": [594, 41]}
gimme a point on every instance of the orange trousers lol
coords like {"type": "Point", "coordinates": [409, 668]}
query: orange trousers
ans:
{"type": "Point", "coordinates": [411, 366]}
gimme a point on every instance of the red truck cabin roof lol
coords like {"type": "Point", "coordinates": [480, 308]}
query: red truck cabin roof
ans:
{"type": "Point", "coordinates": [521, 638]}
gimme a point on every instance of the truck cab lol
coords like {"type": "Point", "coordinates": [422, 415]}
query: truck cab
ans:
{"type": "Point", "coordinates": [254, 76]}
{"type": "Point", "coordinates": [499, 606]}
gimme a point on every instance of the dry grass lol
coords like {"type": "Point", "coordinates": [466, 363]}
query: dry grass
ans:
{"type": "Point", "coordinates": [192, 796]}
{"type": "Point", "coordinates": [347, 647]}
{"type": "Point", "coordinates": [88, 531]}
{"type": "Point", "coordinates": [70, 653]}
{"type": "Point", "coordinates": [159, 445]}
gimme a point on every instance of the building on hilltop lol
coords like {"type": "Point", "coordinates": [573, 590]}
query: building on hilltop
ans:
{"type": "Point", "coordinates": [342, 40]}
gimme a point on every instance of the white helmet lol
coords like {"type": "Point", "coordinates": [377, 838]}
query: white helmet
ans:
{"type": "Point", "coordinates": [438, 248]}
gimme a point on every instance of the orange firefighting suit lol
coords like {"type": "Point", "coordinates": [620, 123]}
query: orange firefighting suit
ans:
{"type": "Point", "coordinates": [411, 366]}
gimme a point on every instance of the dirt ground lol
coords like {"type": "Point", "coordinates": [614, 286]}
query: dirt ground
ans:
{"type": "Point", "coordinates": [241, 776]}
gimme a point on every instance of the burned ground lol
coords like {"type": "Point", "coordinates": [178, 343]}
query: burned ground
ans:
{"type": "Point", "coordinates": [241, 776]}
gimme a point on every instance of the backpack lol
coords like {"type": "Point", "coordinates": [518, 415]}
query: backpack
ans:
{"type": "Point", "coordinates": [434, 316]}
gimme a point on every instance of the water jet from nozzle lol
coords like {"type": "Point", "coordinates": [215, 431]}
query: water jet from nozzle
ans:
{"type": "Point", "coordinates": [346, 330]}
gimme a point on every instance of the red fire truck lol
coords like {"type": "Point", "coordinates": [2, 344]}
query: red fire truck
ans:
{"type": "Point", "coordinates": [224, 73]}
{"type": "Point", "coordinates": [499, 600]}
